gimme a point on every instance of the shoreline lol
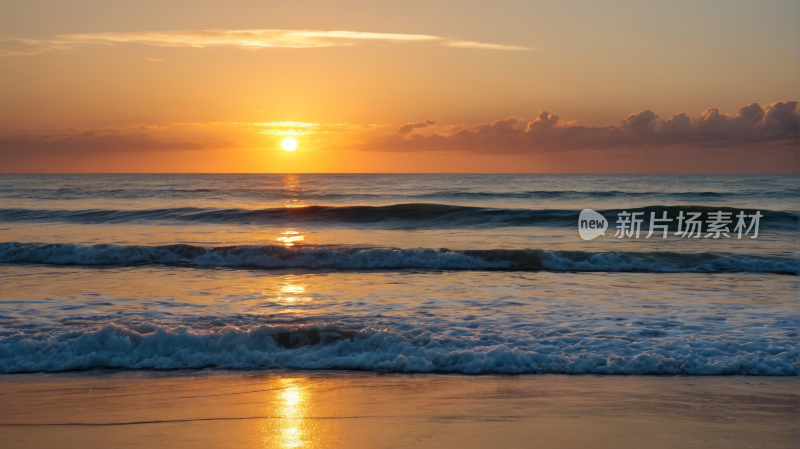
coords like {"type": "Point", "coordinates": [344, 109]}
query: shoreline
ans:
{"type": "Point", "coordinates": [366, 409]}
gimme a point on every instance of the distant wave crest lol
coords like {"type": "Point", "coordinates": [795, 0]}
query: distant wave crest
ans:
{"type": "Point", "coordinates": [268, 256]}
{"type": "Point", "coordinates": [411, 215]}
{"type": "Point", "coordinates": [280, 192]}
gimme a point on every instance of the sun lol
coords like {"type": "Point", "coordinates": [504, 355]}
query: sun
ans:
{"type": "Point", "coordinates": [289, 144]}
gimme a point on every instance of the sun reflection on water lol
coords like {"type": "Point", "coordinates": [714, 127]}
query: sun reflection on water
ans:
{"type": "Point", "coordinates": [288, 237]}
{"type": "Point", "coordinates": [291, 290]}
{"type": "Point", "coordinates": [292, 189]}
{"type": "Point", "coordinates": [296, 289]}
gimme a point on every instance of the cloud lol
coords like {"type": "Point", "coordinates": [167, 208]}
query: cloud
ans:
{"type": "Point", "coordinates": [775, 125]}
{"type": "Point", "coordinates": [99, 141]}
{"type": "Point", "coordinates": [181, 137]}
{"type": "Point", "coordinates": [250, 39]}
{"type": "Point", "coordinates": [408, 127]}
{"type": "Point", "coordinates": [19, 47]}
{"type": "Point", "coordinates": [286, 128]}
{"type": "Point", "coordinates": [301, 128]}
{"type": "Point", "coordinates": [244, 38]}
{"type": "Point", "coordinates": [483, 46]}
{"type": "Point", "coordinates": [154, 59]}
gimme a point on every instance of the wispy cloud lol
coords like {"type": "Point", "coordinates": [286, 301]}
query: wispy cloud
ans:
{"type": "Point", "coordinates": [301, 128]}
{"type": "Point", "coordinates": [182, 137]}
{"type": "Point", "coordinates": [244, 38]}
{"type": "Point", "coordinates": [100, 141]}
{"type": "Point", "coordinates": [18, 47]}
{"type": "Point", "coordinates": [250, 39]}
{"type": "Point", "coordinates": [285, 128]}
{"type": "Point", "coordinates": [484, 46]}
{"type": "Point", "coordinates": [154, 59]}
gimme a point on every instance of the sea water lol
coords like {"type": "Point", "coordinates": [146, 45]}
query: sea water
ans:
{"type": "Point", "coordinates": [405, 273]}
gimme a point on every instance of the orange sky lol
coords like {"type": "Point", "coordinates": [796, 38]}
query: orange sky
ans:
{"type": "Point", "coordinates": [98, 86]}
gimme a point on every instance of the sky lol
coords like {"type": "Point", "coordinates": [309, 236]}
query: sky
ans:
{"type": "Point", "coordinates": [435, 86]}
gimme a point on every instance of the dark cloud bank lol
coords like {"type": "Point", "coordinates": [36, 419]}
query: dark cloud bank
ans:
{"type": "Point", "coordinates": [774, 125]}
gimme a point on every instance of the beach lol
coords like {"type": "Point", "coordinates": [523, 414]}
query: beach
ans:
{"type": "Point", "coordinates": [208, 408]}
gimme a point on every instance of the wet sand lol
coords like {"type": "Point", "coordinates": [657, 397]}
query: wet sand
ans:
{"type": "Point", "coordinates": [368, 410]}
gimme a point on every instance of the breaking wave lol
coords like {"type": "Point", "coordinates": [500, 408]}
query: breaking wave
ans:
{"type": "Point", "coordinates": [321, 346]}
{"type": "Point", "coordinates": [414, 215]}
{"type": "Point", "coordinates": [269, 256]}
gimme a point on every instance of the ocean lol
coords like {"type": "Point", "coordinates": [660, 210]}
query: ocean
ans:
{"type": "Point", "coordinates": [410, 273]}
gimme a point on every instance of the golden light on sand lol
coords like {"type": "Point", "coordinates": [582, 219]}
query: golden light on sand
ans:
{"type": "Point", "coordinates": [292, 405]}
{"type": "Point", "coordinates": [289, 144]}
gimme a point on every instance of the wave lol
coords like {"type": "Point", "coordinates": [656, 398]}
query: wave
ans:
{"type": "Point", "coordinates": [320, 192]}
{"type": "Point", "coordinates": [416, 215]}
{"type": "Point", "coordinates": [282, 193]}
{"type": "Point", "coordinates": [268, 256]}
{"type": "Point", "coordinates": [324, 346]}
{"type": "Point", "coordinates": [552, 194]}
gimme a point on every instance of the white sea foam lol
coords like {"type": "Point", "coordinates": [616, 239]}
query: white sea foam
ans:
{"type": "Point", "coordinates": [420, 350]}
